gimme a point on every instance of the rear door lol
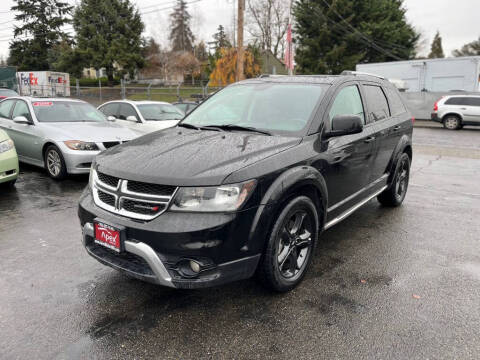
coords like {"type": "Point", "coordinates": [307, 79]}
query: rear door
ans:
{"type": "Point", "coordinates": [381, 123]}
{"type": "Point", "coordinates": [350, 156]}
{"type": "Point", "coordinates": [110, 109]}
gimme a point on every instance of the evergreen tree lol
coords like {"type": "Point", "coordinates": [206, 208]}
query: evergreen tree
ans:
{"type": "Point", "coordinates": [437, 48]}
{"type": "Point", "coordinates": [109, 35]}
{"type": "Point", "coordinates": [335, 35]}
{"type": "Point", "coordinates": [470, 49]}
{"type": "Point", "coordinates": [42, 21]}
{"type": "Point", "coordinates": [181, 35]}
{"type": "Point", "coordinates": [200, 51]}
{"type": "Point", "coordinates": [220, 40]}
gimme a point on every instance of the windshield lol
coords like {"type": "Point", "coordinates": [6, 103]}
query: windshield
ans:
{"type": "Point", "coordinates": [7, 92]}
{"type": "Point", "coordinates": [66, 111]}
{"type": "Point", "coordinates": [159, 112]}
{"type": "Point", "coordinates": [273, 107]}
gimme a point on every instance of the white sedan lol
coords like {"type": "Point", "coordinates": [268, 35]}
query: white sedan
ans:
{"type": "Point", "coordinates": [142, 116]}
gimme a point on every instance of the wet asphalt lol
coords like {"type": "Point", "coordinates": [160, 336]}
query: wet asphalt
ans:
{"type": "Point", "coordinates": [385, 283]}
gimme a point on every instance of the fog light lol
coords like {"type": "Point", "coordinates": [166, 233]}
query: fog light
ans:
{"type": "Point", "coordinates": [194, 266]}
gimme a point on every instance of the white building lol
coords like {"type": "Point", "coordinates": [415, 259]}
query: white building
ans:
{"type": "Point", "coordinates": [432, 75]}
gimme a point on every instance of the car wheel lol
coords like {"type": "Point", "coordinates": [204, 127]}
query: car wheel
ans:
{"type": "Point", "coordinates": [395, 194]}
{"type": "Point", "coordinates": [54, 163]}
{"type": "Point", "coordinates": [10, 184]}
{"type": "Point", "coordinates": [290, 246]}
{"type": "Point", "coordinates": [451, 122]}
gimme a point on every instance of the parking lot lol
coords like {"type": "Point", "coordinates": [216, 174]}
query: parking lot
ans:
{"type": "Point", "coordinates": [398, 283]}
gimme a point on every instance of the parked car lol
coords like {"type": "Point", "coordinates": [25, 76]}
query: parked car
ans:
{"type": "Point", "coordinates": [248, 181]}
{"type": "Point", "coordinates": [5, 92]}
{"type": "Point", "coordinates": [142, 116]}
{"type": "Point", "coordinates": [456, 111]}
{"type": "Point", "coordinates": [8, 160]}
{"type": "Point", "coordinates": [62, 135]}
{"type": "Point", "coordinates": [186, 106]}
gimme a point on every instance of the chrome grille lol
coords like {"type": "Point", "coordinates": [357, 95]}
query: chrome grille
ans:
{"type": "Point", "coordinates": [133, 199]}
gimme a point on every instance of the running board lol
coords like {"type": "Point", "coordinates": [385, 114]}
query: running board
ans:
{"type": "Point", "coordinates": [352, 209]}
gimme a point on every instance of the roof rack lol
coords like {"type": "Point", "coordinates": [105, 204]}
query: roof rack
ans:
{"type": "Point", "coordinates": [359, 73]}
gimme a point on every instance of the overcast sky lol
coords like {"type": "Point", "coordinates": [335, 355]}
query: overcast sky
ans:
{"type": "Point", "coordinates": [457, 21]}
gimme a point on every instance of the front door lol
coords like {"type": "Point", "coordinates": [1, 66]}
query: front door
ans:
{"type": "Point", "coordinates": [350, 156]}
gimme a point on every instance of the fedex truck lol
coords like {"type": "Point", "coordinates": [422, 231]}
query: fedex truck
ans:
{"type": "Point", "coordinates": [43, 83]}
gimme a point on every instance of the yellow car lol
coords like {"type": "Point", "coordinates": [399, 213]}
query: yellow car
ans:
{"type": "Point", "coordinates": [8, 160]}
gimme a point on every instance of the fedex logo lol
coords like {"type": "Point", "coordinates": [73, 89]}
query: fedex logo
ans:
{"type": "Point", "coordinates": [28, 79]}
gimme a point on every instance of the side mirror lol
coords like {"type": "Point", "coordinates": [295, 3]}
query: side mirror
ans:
{"type": "Point", "coordinates": [111, 118]}
{"type": "Point", "coordinates": [21, 120]}
{"type": "Point", "coordinates": [132, 118]}
{"type": "Point", "coordinates": [345, 125]}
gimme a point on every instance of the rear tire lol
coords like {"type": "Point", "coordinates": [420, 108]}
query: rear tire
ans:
{"type": "Point", "coordinates": [452, 122]}
{"type": "Point", "coordinates": [55, 163]}
{"type": "Point", "coordinates": [290, 246]}
{"type": "Point", "coordinates": [395, 194]}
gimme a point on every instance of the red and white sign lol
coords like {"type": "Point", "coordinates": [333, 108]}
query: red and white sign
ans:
{"type": "Point", "coordinates": [42, 103]}
{"type": "Point", "coordinates": [107, 236]}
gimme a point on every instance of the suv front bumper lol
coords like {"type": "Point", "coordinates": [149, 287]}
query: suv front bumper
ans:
{"type": "Point", "coordinates": [155, 250]}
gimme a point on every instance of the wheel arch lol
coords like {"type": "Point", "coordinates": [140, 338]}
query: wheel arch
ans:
{"type": "Point", "coordinates": [302, 180]}
{"type": "Point", "coordinates": [403, 146]}
{"type": "Point", "coordinates": [452, 113]}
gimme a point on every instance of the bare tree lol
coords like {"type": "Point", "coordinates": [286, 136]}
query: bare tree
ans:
{"type": "Point", "coordinates": [267, 23]}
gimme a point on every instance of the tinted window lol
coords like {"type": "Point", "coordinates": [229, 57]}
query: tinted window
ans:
{"type": "Point", "coordinates": [395, 102]}
{"type": "Point", "coordinates": [270, 106]}
{"type": "Point", "coordinates": [472, 101]}
{"type": "Point", "coordinates": [126, 110]}
{"type": "Point", "coordinates": [377, 103]}
{"type": "Point", "coordinates": [21, 109]}
{"type": "Point", "coordinates": [110, 109]}
{"type": "Point", "coordinates": [5, 107]}
{"type": "Point", "coordinates": [455, 101]}
{"type": "Point", "coordinates": [348, 102]}
{"type": "Point", "coordinates": [159, 112]}
{"type": "Point", "coordinates": [66, 111]}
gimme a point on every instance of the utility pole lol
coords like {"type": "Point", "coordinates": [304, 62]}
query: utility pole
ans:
{"type": "Point", "coordinates": [240, 53]}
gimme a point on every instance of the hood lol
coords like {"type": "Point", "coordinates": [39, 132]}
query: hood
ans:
{"type": "Point", "coordinates": [185, 157]}
{"type": "Point", "coordinates": [87, 131]}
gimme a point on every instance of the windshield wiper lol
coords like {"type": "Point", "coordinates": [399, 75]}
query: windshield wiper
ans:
{"type": "Point", "coordinates": [227, 127]}
{"type": "Point", "coordinates": [189, 126]}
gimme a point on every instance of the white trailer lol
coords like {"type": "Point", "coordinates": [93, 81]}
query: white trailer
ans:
{"type": "Point", "coordinates": [432, 75]}
{"type": "Point", "coordinates": [43, 83]}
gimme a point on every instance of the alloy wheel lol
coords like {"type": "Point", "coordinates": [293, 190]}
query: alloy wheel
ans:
{"type": "Point", "coordinates": [54, 163]}
{"type": "Point", "coordinates": [401, 183]}
{"type": "Point", "coordinates": [451, 123]}
{"type": "Point", "coordinates": [294, 245]}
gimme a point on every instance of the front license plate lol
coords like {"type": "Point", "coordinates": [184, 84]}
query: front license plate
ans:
{"type": "Point", "coordinates": [108, 236]}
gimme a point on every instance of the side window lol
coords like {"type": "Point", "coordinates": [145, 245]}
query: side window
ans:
{"type": "Point", "coordinates": [348, 102]}
{"type": "Point", "coordinates": [377, 103]}
{"type": "Point", "coordinates": [396, 104]}
{"type": "Point", "coordinates": [21, 109]}
{"type": "Point", "coordinates": [455, 101]}
{"type": "Point", "coordinates": [110, 109]}
{"type": "Point", "coordinates": [126, 110]}
{"type": "Point", "coordinates": [473, 101]}
{"type": "Point", "coordinates": [5, 107]}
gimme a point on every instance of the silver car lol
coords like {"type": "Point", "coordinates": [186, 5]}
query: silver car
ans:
{"type": "Point", "coordinates": [61, 135]}
{"type": "Point", "coordinates": [142, 116]}
{"type": "Point", "coordinates": [456, 111]}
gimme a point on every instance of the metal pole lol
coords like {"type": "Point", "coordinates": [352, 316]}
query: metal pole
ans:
{"type": "Point", "coordinates": [240, 53]}
{"type": "Point", "coordinates": [100, 88]}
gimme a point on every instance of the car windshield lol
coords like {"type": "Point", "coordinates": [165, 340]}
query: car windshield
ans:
{"type": "Point", "coordinates": [7, 92]}
{"type": "Point", "coordinates": [274, 107]}
{"type": "Point", "coordinates": [159, 112]}
{"type": "Point", "coordinates": [66, 111]}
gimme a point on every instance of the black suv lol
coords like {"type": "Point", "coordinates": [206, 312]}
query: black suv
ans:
{"type": "Point", "coordinates": [248, 180]}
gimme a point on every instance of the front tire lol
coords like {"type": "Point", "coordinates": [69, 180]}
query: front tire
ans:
{"type": "Point", "coordinates": [395, 194]}
{"type": "Point", "coordinates": [55, 163]}
{"type": "Point", "coordinates": [290, 246]}
{"type": "Point", "coordinates": [452, 122]}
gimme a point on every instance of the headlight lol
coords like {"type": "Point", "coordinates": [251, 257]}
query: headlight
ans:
{"type": "Point", "coordinates": [6, 145]}
{"type": "Point", "coordinates": [212, 199]}
{"type": "Point", "coordinates": [81, 145]}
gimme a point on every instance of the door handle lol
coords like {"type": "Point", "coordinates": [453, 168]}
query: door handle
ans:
{"type": "Point", "coordinates": [369, 139]}
{"type": "Point", "coordinates": [396, 128]}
